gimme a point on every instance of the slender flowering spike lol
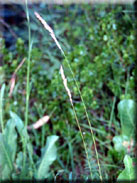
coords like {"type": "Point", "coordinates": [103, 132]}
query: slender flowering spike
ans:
{"type": "Point", "coordinates": [48, 28]}
{"type": "Point", "coordinates": [65, 84]}
{"type": "Point", "coordinates": [44, 22]}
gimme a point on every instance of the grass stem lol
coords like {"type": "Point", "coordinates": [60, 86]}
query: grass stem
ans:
{"type": "Point", "coordinates": [28, 81]}
{"type": "Point", "coordinates": [47, 27]}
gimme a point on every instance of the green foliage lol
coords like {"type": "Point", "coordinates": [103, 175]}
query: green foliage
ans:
{"type": "Point", "coordinates": [8, 146]}
{"type": "Point", "coordinates": [126, 109]}
{"type": "Point", "coordinates": [48, 156]}
{"type": "Point", "coordinates": [128, 174]}
{"type": "Point", "coordinates": [116, 157]}
{"type": "Point", "coordinates": [100, 48]}
{"type": "Point", "coordinates": [11, 161]}
{"type": "Point", "coordinates": [124, 142]}
{"type": "Point", "coordinates": [118, 143]}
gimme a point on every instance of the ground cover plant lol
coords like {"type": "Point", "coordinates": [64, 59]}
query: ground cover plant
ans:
{"type": "Point", "coordinates": [98, 48]}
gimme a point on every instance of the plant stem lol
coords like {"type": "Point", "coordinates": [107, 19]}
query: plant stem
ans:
{"type": "Point", "coordinates": [28, 80]}
{"type": "Point", "coordinates": [28, 67]}
{"type": "Point", "coordinates": [89, 123]}
{"type": "Point", "coordinates": [85, 146]}
{"type": "Point", "coordinates": [67, 61]}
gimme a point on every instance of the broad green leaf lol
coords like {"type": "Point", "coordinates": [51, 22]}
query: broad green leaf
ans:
{"type": "Point", "coordinates": [18, 121]}
{"type": "Point", "coordinates": [5, 160]}
{"type": "Point", "coordinates": [129, 172]}
{"type": "Point", "coordinates": [8, 145]}
{"type": "Point", "coordinates": [48, 156]}
{"type": "Point", "coordinates": [19, 125]}
{"type": "Point", "coordinates": [126, 109]}
{"type": "Point", "coordinates": [24, 136]}
{"type": "Point", "coordinates": [10, 136]}
{"type": "Point", "coordinates": [118, 143]}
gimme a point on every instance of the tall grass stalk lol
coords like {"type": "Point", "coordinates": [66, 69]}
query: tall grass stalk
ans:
{"type": "Point", "coordinates": [28, 80]}
{"type": "Point", "coordinates": [78, 124]}
{"type": "Point", "coordinates": [47, 27]}
{"type": "Point", "coordinates": [28, 66]}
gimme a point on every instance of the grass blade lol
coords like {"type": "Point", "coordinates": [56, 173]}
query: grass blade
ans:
{"type": "Point", "coordinates": [1, 106]}
{"type": "Point", "coordinates": [48, 156]}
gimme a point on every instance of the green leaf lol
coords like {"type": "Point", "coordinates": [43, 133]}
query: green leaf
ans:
{"type": "Point", "coordinates": [5, 160]}
{"type": "Point", "coordinates": [24, 136]}
{"type": "Point", "coordinates": [18, 121]}
{"type": "Point", "coordinates": [19, 125]}
{"type": "Point", "coordinates": [8, 145]}
{"type": "Point", "coordinates": [118, 143]}
{"type": "Point", "coordinates": [48, 156]}
{"type": "Point", "coordinates": [10, 136]}
{"type": "Point", "coordinates": [129, 172]}
{"type": "Point", "coordinates": [126, 109]}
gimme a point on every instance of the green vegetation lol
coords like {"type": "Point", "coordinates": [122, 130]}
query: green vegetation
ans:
{"type": "Point", "coordinates": [99, 50]}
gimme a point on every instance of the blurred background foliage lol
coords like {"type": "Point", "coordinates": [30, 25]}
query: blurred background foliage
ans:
{"type": "Point", "coordinates": [99, 43]}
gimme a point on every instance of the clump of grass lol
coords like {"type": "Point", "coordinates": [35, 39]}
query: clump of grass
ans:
{"type": "Point", "coordinates": [47, 27]}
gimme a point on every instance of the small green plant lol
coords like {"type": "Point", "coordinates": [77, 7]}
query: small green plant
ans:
{"type": "Point", "coordinates": [14, 162]}
{"type": "Point", "coordinates": [126, 109]}
{"type": "Point", "coordinates": [11, 156]}
{"type": "Point", "coordinates": [128, 174]}
{"type": "Point", "coordinates": [124, 143]}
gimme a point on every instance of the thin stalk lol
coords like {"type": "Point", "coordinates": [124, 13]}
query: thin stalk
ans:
{"type": "Point", "coordinates": [47, 27]}
{"type": "Point", "coordinates": [87, 116]}
{"type": "Point", "coordinates": [84, 144]}
{"type": "Point", "coordinates": [28, 66]}
{"type": "Point", "coordinates": [78, 124]}
{"type": "Point", "coordinates": [1, 107]}
{"type": "Point", "coordinates": [28, 80]}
